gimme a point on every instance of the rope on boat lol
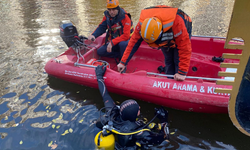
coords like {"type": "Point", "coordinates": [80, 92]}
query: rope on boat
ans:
{"type": "Point", "coordinates": [78, 46]}
{"type": "Point", "coordinates": [92, 66]}
{"type": "Point", "coordinates": [78, 53]}
{"type": "Point", "coordinates": [216, 37]}
{"type": "Point", "coordinates": [189, 77]}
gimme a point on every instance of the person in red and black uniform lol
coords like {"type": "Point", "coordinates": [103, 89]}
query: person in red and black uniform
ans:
{"type": "Point", "coordinates": [165, 28]}
{"type": "Point", "coordinates": [119, 26]}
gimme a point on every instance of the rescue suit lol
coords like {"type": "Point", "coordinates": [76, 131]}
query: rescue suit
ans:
{"type": "Point", "coordinates": [118, 30]}
{"type": "Point", "coordinates": [174, 40]}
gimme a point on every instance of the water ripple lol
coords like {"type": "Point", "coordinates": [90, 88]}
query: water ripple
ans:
{"type": "Point", "coordinates": [37, 112]}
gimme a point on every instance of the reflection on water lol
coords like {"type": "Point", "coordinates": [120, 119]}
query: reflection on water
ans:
{"type": "Point", "coordinates": [40, 112]}
{"type": "Point", "coordinates": [43, 115]}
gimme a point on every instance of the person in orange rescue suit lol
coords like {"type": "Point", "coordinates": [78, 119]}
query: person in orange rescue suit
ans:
{"type": "Point", "coordinates": [165, 28]}
{"type": "Point", "coordinates": [119, 27]}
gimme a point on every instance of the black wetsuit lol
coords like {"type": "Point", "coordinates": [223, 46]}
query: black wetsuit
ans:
{"type": "Point", "coordinates": [145, 138]}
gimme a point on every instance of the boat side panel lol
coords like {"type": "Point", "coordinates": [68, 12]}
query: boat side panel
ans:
{"type": "Point", "coordinates": [188, 95]}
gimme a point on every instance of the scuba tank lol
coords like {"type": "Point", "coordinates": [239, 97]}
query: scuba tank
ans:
{"type": "Point", "coordinates": [105, 139]}
{"type": "Point", "coordinates": [105, 142]}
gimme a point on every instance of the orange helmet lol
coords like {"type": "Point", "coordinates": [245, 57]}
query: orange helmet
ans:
{"type": "Point", "coordinates": [112, 3]}
{"type": "Point", "coordinates": [151, 29]}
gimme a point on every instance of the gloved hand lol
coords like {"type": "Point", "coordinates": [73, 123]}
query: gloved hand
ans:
{"type": "Point", "coordinates": [162, 114]}
{"type": "Point", "coordinates": [100, 71]}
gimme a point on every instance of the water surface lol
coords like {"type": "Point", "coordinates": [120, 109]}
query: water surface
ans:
{"type": "Point", "coordinates": [41, 112]}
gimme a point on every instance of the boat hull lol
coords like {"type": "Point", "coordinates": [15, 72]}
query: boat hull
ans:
{"type": "Point", "coordinates": [189, 95]}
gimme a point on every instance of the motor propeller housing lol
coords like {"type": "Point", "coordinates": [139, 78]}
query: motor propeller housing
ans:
{"type": "Point", "coordinates": [67, 32]}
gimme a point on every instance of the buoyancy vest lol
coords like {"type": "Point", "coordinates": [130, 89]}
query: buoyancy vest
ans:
{"type": "Point", "coordinates": [160, 11]}
{"type": "Point", "coordinates": [115, 26]}
{"type": "Point", "coordinates": [123, 126]}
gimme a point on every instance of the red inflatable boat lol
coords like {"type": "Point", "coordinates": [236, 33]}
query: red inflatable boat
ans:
{"type": "Point", "coordinates": [142, 79]}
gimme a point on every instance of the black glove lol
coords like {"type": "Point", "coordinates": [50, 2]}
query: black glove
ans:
{"type": "Point", "coordinates": [162, 114]}
{"type": "Point", "coordinates": [100, 71]}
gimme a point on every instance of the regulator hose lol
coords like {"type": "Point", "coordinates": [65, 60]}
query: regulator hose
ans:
{"type": "Point", "coordinates": [131, 133]}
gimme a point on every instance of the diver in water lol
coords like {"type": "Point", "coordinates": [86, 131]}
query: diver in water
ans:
{"type": "Point", "coordinates": [130, 133]}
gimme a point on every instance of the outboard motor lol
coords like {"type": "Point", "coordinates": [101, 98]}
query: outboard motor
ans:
{"type": "Point", "coordinates": [67, 32]}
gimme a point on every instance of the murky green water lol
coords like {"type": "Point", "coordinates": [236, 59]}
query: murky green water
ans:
{"type": "Point", "coordinates": [40, 112]}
